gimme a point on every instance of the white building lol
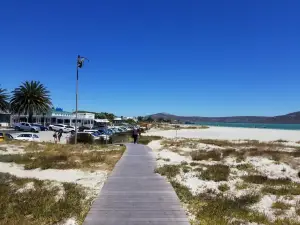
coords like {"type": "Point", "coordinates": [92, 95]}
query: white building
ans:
{"type": "Point", "coordinates": [58, 117]}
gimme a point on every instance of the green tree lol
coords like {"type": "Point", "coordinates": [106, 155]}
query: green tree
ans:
{"type": "Point", "coordinates": [29, 98]}
{"type": "Point", "coordinates": [149, 119]}
{"type": "Point", "coordinates": [4, 98]}
{"type": "Point", "coordinates": [140, 118]}
{"type": "Point", "coordinates": [130, 121]}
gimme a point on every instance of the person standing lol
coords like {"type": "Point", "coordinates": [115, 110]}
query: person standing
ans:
{"type": "Point", "coordinates": [59, 135]}
{"type": "Point", "coordinates": [55, 137]}
{"type": "Point", "coordinates": [135, 134]}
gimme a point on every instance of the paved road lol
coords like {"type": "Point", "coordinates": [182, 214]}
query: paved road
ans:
{"type": "Point", "coordinates": [135, 195]}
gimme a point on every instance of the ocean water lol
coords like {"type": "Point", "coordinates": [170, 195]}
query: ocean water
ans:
{"type": "Point", "coordinates": [254, 125]}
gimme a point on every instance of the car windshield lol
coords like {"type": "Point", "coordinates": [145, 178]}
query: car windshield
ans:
{"type": "Point", "coordinates": [25, 135]}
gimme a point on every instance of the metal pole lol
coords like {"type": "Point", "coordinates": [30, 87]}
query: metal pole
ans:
{"type": "Point", "coordinates": [76, 104]}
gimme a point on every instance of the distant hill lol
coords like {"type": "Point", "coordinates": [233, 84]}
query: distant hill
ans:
{"type": "Point", "coordinates": [291, 118]}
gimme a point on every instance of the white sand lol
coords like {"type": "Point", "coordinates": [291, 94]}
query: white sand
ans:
{"type": "Point", "coordinates": [231, 133]}
{"type": "Point", "coordinates": [92, 180]}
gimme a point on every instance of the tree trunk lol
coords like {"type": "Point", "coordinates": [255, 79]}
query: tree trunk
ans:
{"type": "Point", "coordinates": [30, 117]}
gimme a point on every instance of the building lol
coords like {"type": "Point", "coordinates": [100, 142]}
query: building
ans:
{"type": "Point", "coordinates": [118, 121]}
{"type": "Point", "coordinates": [101, 122]}
{"type": "Point", "coordinates": [58, 116]}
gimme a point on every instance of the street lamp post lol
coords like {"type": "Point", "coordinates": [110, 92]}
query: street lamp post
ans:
{"type": "Point", "coordinates": [79, 64]}
{"type": "Point", "coordinates": [76, 100]}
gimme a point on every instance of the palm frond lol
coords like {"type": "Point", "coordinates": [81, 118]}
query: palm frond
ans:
{"type": "Point", "coordinates": [4, 98]}
{"type": "Point", "coordinates": [31, 97]}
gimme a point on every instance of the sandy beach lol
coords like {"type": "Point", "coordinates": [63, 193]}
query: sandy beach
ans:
{"type": "Point", "coordinates": [230, 133]}
{"type": "Point", "coordinates": [211, 164]}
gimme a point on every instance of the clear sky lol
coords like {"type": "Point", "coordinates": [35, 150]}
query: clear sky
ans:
{"type": "Point", "coordinates": [206, 58]}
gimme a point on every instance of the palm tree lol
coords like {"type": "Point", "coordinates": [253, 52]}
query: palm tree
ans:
{"type": "Point", "coordinates": [4, 105]}
{"type": "Point", "coordinates": [29, 98]}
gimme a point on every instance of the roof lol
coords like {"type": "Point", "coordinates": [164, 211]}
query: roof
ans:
{"type": "Point", "coordinates": [102, 120]}
{"type": "Point", "coordinates": [61, 112]}
{"type": "Point", "coordinates": [118, 118]}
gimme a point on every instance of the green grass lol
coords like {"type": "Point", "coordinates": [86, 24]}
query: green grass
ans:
{"type": "Point", "coordinates": [223, 187]}
{"type": "Point", "coordinates": [260, 179]}
{"type": "Point", "coordinates": [63, 158]}
{"type": "Point", "coordinates": [39, 205]}
{"type": "Point", "coordinates": [241, 185]}
{"type": "Point", "coordinates": [291, 189]}
{"type": "Point", "coordinates": [217, 172]}
{"type": "Point", "coordinates": [280, 205]}
{"type": "Point", "coordinates": [170, 171]}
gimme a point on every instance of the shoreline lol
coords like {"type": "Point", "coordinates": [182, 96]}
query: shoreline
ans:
{"type": "Point", "coordinates": [263, 124]}
{"type": "Point", "coordinates": [230, 133]}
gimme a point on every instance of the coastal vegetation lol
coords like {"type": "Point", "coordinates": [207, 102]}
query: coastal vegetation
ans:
{"type": "Point", "coordinates": [74, 176]}
{"type": "Point", "coordinates": [233, 182]}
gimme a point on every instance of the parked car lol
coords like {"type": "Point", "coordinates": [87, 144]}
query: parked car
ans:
{"type": "Point", "coordinates": [28, 137]}
{"type": "Point", "coordinates": [60, 127]}
{"type": "Point", "coordinates": [5, 136]}
{"type": "Point", "coordinates": [82, 128]}
{"type": "Point", "coordinates": [70, 129]}
{"type": "Point", "coordinates": [26, 127]}
{"type": "Point", "coordinates": [42, 128]}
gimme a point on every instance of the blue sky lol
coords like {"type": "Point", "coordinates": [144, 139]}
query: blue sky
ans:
{"type": "Point", "coordinates": [206, 58]}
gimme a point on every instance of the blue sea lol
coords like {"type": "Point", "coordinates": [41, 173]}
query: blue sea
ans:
{"type": "Point", "coordinates": [254, 125]}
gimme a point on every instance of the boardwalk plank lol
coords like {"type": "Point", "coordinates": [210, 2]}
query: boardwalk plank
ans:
{"type": "Point", "coordinates": [135, 195]}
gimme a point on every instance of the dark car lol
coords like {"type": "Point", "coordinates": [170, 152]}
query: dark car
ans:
{"type": "Point", "coordinates": [43, 128]}
{"type": "Point", "coordinates": [82, 128]}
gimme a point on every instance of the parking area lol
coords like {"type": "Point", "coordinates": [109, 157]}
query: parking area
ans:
{"type": "Point", "coordinates": [45, 136]}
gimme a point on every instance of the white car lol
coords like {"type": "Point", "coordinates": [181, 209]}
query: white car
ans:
{"type": "Point", "coordinates": [64, 128]}
{"type": "Point", "coordinates": [27, 137]}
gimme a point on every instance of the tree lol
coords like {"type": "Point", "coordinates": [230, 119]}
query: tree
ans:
{"type": "Point", "coordinates": [29, 98]}
{"type": "Point", "coordinates": [4, 105]}
{"type": "Point", "coordinates": [140, 118]}
{"type": "Point", "coordinates": [149, 119]}
{"type": "Point", "coordinates": [130, 121]}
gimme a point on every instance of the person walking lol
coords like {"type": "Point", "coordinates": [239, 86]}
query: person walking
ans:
{"type": "Point", "coordinates": [59, 135]}
{"type": "Point", "coordinates": [135, 134]}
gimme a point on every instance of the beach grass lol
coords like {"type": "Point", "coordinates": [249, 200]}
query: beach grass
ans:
{"type": "Point", "coordinates": [145, 140]}
{"type": "Point", "coordinates": [213, 209]}
{"type": "Point", "coordinates": [218, 172]}
{"type": "Point", "coordinates": [36, 202]}
{"type": "Point", "coordinates": [55, 156]}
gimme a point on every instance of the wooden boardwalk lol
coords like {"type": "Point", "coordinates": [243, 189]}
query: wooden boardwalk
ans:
{"type": "Point", "coordinates": [135, 195]}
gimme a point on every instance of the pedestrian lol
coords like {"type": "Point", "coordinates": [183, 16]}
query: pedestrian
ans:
{"type": "Point", "coordinates": [55, 137]}
{"type": "Point", "coordinates": [59, 135]}
{"type": "Point", "coordinates": [135, 134]}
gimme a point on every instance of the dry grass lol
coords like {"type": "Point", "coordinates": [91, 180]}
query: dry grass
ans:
{"type": "Point", "coordinates": [203, 155]}
{"type": "Point", "coordinates": [217, 172]}
{"type": "Point", "coordinates": [40, 205]}
{"type": "Point", "coordinates": [261, 179]}
{"type": "Point", "coordinates": [291, 189]}
{"type": "Point", "coordinates": [281, 205]}
{"type": "Point", "coordinates": [54, 156]}
{"type": "Point", "coordinates": [213, 209]}
{"type": "Point", "coordinates": [170, 171]}
{"type": "Point", "coordinates": [223, 187]}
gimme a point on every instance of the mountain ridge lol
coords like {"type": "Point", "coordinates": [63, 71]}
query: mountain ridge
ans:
{"type": "Point", "coordinates": [290, 118]}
